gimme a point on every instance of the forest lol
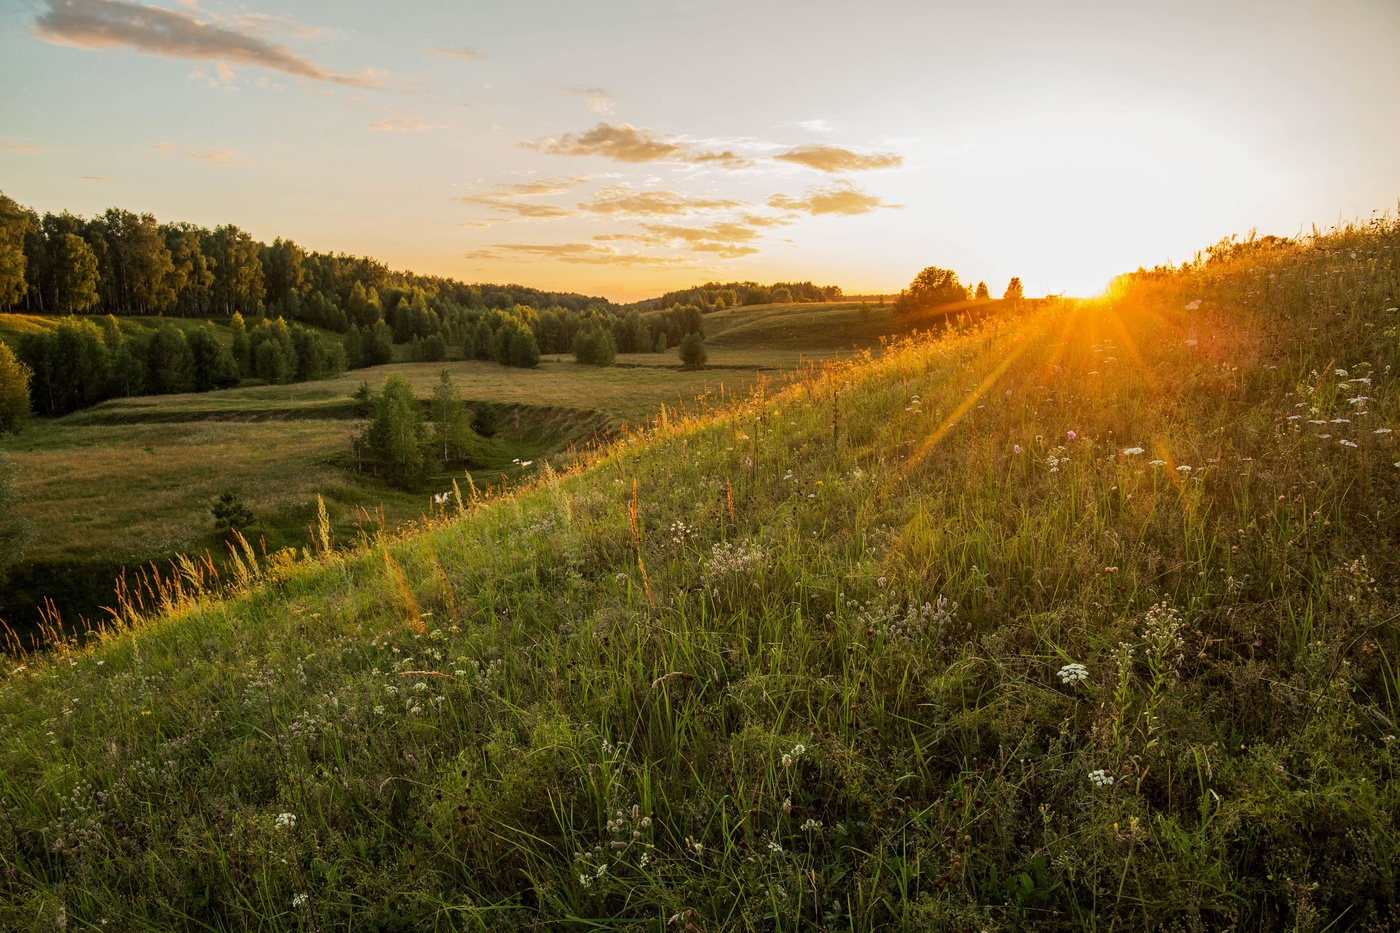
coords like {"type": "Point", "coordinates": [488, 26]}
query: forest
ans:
{"type": "Point", "coordinates": [286, 314]}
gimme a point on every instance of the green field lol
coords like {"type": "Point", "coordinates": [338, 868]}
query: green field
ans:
{"type": "Point", "coordinates": [129, 481]}
{"type": "Point", "coordinates": [1080, 618]}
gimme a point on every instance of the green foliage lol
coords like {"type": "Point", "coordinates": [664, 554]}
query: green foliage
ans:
{"type": "Point", "coordinates": [169, 362]}
{"type": "Point", "coordinates": [395, 437]}
{"type": "Point", "coordinates": [1013, 290]}
{"type": "Point", "coordinates": [452, 432]}
{"type": "Point", "coordinates": [241, 347]}
{"type": "Point", "coordinates": [212, 363]}
{"type": "Point", "coordinates": [14, 391]}
{"type": "Point", "coordinates": [15, 224]}
{"type": "Point", "coordinates": [693, 352]}
{"type": "Point", "coordinates": [230, 513]}
{"type": "Point", "coordinates": [75, 274]}
{"type": "Point", "coordinates": [594, 346]}
{"type": "Point", "coordinates": [931, 288]}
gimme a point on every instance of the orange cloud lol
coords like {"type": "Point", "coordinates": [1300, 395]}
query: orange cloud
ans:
{"type": "Point", "coordinates": [626, 143]}
{"type": "Point", "coordinates": [401, 123]}
{"type": "Point", "coordinates": [836, 159]}
{"type": "Point", "coordinates": [839, 198]}
{"type": "Point", "coordinates": [104, 24]}
{"type": "Point", "coordinates": [577, 253]}
{"type": "Point", "coordinates": [620, 199]}
{"type": "Point", "coordinates": [20, 147]}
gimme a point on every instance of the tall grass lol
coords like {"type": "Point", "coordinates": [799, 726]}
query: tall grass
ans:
{"type": "Point", "coordinates": [1078, 618]}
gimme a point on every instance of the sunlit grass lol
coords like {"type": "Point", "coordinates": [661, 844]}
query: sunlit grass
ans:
{"type": "Point", "coordinates": [1079, 619]}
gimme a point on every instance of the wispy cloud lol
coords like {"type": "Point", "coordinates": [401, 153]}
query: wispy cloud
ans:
{"type": "Point", "coordinates": [94, 178]}
{"type": "Point", "coordinates": [215, 156]}
{"type": "Point", "coordinates": [25, 148]}
{"type": "Point", "coordinates": [816, 126]}
{"type": "Point", "coordinates": [623, 200]}
{"type": "Point", "coordinates": [402, 123]}
{"type": "Point", "coordinates": [465, 52]}
{"type": "Point", "coordinates": [504, 198]}
{"type": "Point", "coordinates": [578, 253]}
{"type": "Point", "coordinates": [839, 198]}
{"type": "Point", "coordinates": [837, 159]}
{"type": "Point", "coordinates": [598, 100]}
{"type": "Point", "coordinates": [105, 24]}
{"type": "Point", "coordinates": [626, 143]}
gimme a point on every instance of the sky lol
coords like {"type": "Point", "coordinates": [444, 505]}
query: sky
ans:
{"type": "Point", "coordinates": [628, 147]}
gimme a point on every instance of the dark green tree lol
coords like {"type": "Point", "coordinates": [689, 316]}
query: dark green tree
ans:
{"type": "Point", "coordinates": [75, 274]}
{"type": "Point", "coordinates": [693, 352]}
{"type": "Point", "coordinates": [452, 432]}
{"type": "Point", "coordinates": [214, 365]}
{"type": "Point", "coordinates": [169, 362]}
{"type": "Point", "coordinates": [230, 513]}
{"type": "Point", "coordinates": [931, 288]}
{"type": "Point", "coordinates": [593, 346]}
{"type": "Point", "coordinates": [395, 436]}
{"type": "Point", "coordinates": [15, 224]}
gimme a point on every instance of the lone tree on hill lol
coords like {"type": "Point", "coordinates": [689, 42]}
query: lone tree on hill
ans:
{"type": "Point", "coordinates": [982, 294]}
{"type": "Point", "coordinates": [1013, 290]}
{"type": "Point", "coordinates": [230, 514]}
{"type": "Point", "coordinates": [931, 288]}
{"type": "Point", "coordinates": [693, 352]}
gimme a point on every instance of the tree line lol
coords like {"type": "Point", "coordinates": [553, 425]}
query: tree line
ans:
{"type": "Point", "coordinates": [934, 287]}
{"type": "Point", "coordinates": [713, 296]}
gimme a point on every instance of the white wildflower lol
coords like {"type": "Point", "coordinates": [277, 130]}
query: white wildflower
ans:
{"type": "Point", "coordinates": [811, 825]}
{"type": "Point", "coordinates": [1183, 469]}
{"type": "Point", "coordinates": [1073, 673]}
{"type": "Point", "coordinates": [1381, 431]}
{"type": "Point", "coordinates": [1100, 778]}
{"type": "Point", "coordinates": [1346, 443]}
{"type": "Point", "coordinates": [286, 820]}
{"type": "Point", "coordinates": [1132, 451]}
{"type": "Point", "coordinates": [299, 901]}
{"type": "Point", "coordinates": [1157, 463]}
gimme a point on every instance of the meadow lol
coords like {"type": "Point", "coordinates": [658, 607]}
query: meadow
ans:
{"type": "Point", "coordinates": [1079, 618]}
{"type": "Point", "coordinates": [129, 482]}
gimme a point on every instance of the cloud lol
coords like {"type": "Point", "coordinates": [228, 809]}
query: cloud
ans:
{"type": "Point", "coordinates": [105, 24]}
{"type": "Point", "coordinates": [216, 156]}
{"type": "Point", "coordinates": [728, 239]}
{"type": "Point", "coordinates": [465, 52]}
{"type": "Point", "coordinates": [626, 143]}
{"type": "Point", "coordinates": [598, 100]}
{"type": "Point", "coordinates": [837, 159]}
{"type": "Point", "coordinates": [526, 209]}
{"type": "Point", "coordinates": [401, 123]}
{"type": "Point", "coordinates": [839, 198]}
{"type": "Point", "coordinates": [818, 126]}
{"type": "Point", "coordinates": [95, 177]}
{"type": "Point", "coordinates": [27, 149]}
{"type": "Point", "coordinates": [620, 199]}
{"type": "Point", "coordinates": [578, 253]}
{"type": "Point", "coordinates": [503, 197]}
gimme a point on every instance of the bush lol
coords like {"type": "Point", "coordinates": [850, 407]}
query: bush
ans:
{"type": "Point", "coordinates": [595, 347]}
{"type": "Point", "coordinates": [14, 391]}
{"type": "Point", "coordinates": [693, 352]}
{"type": "Point", "coordinates": [230, 513]}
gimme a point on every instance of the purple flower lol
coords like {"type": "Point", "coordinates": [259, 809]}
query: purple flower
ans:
{"type": "Point", "coordinates": [1071, 435]}
{"type": "Point", "coordinates": [1016, 449]}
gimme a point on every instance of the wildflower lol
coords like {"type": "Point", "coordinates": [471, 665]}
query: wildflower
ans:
{"type": "Point", "coordinates": [585, 880]}
{"type": "Point", "coordinates": [811, 825]}
{"type": "Point", "coordinates": [1183, 469]}
{"type": "Point", "coordinates": [1132, 451]}
{"type": "Point", "coordinates": [1381, 431]}
{"type": "Point", "coordinates": [299, 901]}
{"type": "Point", "coordinates": [1101, 778]}
{"type": "Point", "coordinates": [1156, 463]}
{"type": "Point", "coordinates": [1341, 373]}
{"type": "Point", "coordinates": [1073, 673]}
{"type": "Point", "coordinates": [774, 847]}
{"type": "Point", "coordinates": [1346, 443]}
{"type": "Point", "coordinates": [379, 710]}
{"type": "Point", "coordinates": [1071, 435]}
{"type": "Point", "coordinates": [286, 820]}
{"type": "Point", "coordinates": [1193, 305]}
{"type": "Point", "coordinates": [1190, 343]}
{"type": "Point", "coordinates": [1016, 449]}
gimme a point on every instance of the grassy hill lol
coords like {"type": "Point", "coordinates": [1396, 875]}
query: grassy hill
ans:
{"type": "Point", "coordinates": [129, 481]}
{"type": "Point", "coordinates": [1079, 618]}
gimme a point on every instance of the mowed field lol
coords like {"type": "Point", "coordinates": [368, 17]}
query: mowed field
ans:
{"type": "Point", "coordinates": [131, 481]}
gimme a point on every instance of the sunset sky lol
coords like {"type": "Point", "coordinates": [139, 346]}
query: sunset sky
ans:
{"type": "Point", "coordinates": [625, 148]}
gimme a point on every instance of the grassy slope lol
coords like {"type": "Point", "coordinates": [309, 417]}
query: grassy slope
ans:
{"type": "Point", "coordinates": [130, 480]}
{"type": "Point", "coordinates": [772, 720]}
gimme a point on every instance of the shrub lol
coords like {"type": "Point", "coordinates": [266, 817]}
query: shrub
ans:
{"type": "Point", "coordinates": [693, 352]}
